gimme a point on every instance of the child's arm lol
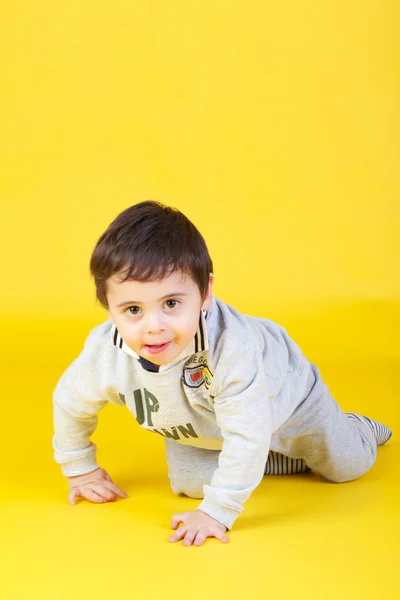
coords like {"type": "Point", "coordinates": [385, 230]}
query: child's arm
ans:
{"type": "Point", "coordinates": [242, 410]}
{"type": "Point", "coordinates": [76, 404]}
{"type": "Point", "coordinates": [77, 400]}
{"type": "Point", "coordinates": [75, 420]}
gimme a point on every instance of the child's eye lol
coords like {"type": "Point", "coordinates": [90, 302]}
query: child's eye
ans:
{"type": "Point", "coordinates": [176, 302]}
{"type": "Point", "coordinates": [129, 310]}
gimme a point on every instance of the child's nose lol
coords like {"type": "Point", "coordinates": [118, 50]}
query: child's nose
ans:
{"type": "Point", "coordinates": [154, 323]}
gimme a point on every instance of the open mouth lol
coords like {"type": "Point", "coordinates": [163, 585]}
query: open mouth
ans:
{"type": "Point", "coordinates": [157, 349]}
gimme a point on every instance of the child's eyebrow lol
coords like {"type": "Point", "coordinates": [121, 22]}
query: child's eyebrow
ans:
{"type": "Point", "coordinates": [159, 300]}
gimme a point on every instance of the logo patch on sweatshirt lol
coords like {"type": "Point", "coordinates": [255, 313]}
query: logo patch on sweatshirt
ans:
{"type": "Point", "coordinates": [195, 376]}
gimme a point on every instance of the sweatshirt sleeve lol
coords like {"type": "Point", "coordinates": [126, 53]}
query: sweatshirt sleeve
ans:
{"type": "Point", "coordinates": [242, 411]}
{"type": "Point", "coordinates": [76, 403]}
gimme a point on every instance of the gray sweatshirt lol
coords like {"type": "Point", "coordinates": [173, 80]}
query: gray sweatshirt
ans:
{"type": "Point", "coordinates": [239, 379]}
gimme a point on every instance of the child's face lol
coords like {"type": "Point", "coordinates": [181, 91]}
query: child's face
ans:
{"type": "Point", "coordinates": [152, 313]}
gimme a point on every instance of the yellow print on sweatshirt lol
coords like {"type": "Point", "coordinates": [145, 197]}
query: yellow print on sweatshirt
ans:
{"type": "Point", "coordinates": [194, 377]}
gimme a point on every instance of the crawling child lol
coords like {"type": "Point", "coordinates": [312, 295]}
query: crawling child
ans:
{"type": "Point", "coordinates": [231, 394]}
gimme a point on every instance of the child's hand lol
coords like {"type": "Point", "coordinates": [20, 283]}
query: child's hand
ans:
{"type": "Point", "coordinates": [197, 526]}
{"type": "Point", "coordinates": [96, 487]}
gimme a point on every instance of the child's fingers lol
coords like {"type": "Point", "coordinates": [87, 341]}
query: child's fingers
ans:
{"type": "Point", "coordinates": [115, 489]}
{"type": "Point", "coordinates": [179, 534]}
{"type": "Point", "coordinates": [202, 534]}
{"type": "Point", "coordinates": [94, 495]}
{"type": "Point", "coordinates": [97, 492]}
{"type": "Point", "coordinates": [103, 491]}
{"type": "Point", "coordinates": [74, 493]}
{"type": "Point", "coordinates": [221, 536]}
{"type": "Point", "coordinates": [108, 490]}
{"type": "Point", "coordinates": [85, 492]}
{"type": "Point", "coordinates": [175, 520]}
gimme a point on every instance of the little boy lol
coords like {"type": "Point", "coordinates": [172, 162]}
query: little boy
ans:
{"type": "Point", "coordinates": [232, 395]}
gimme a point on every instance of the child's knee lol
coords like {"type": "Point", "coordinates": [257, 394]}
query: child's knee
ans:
{"type": "Point", "coordinates": [342, 478]}
{"type": "Point", "coordinates": [349, 472]}
{"type": "Point", "coordinates": [193, 489]}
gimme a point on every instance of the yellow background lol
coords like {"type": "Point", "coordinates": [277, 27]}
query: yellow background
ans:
{"type": "Point", "coordinates": [274, 126]}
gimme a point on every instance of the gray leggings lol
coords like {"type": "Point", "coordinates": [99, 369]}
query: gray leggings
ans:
{"type": "Point", "coordinates": [318, 431]}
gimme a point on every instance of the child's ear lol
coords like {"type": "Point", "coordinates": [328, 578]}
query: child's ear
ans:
{"type": "Point", "coordinates": [208, 299]}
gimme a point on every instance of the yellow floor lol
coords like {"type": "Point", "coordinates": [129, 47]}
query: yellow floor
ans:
{"type": "Point", "coordinates": [299, 536]}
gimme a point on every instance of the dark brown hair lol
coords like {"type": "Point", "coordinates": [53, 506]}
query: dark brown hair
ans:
{"type": "Point", "coordinates": [146, 242]}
